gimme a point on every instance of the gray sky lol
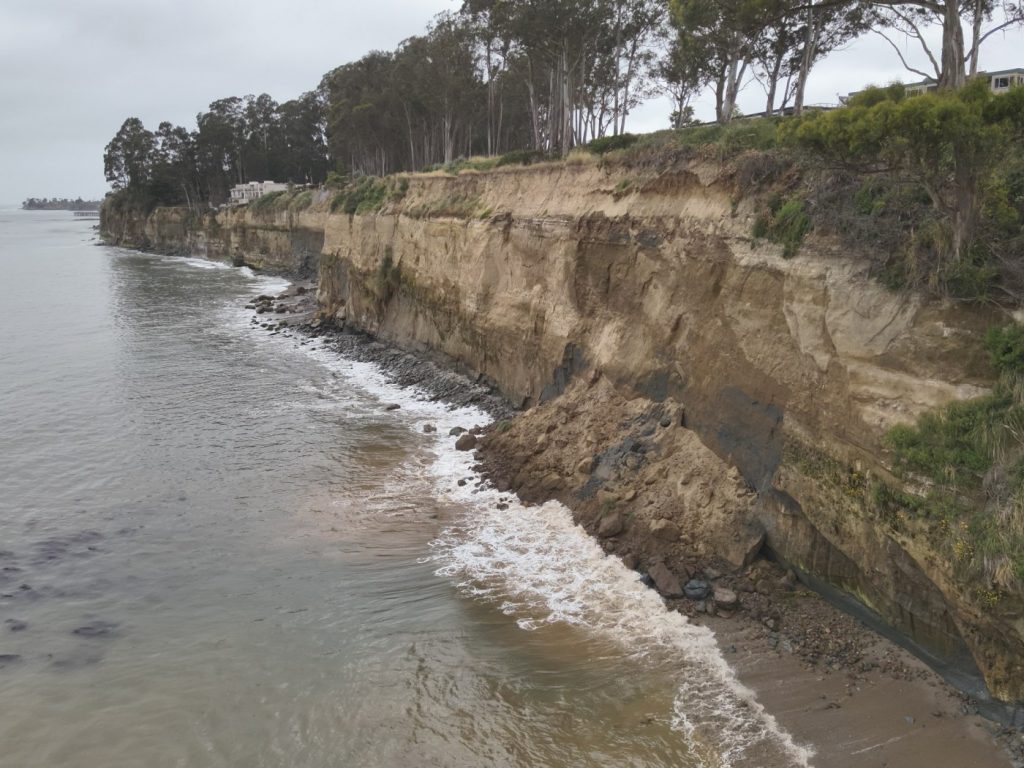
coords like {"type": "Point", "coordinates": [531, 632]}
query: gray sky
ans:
{"type": "Point", "coordinates": [72, 70]}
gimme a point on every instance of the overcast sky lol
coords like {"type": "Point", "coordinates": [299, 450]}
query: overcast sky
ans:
{"type": "Point", "coordinates": [72, 70]}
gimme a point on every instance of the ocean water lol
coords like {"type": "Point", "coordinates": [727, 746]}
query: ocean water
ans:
{"type": "Point", "coordinates": [217, 548]}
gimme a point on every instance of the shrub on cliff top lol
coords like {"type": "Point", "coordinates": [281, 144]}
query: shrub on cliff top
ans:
{"type": "Point", "coordinates": [368, 194]}
{"type": "Point", "coordinates": [957, 148]}
{"type": "Point", "coordinates": [266, 202]}
{"type": "Point", "coordinates": [606, 144]}
{"type": "Point", "coordinates": [521, 157]}
{"type": "Point", "coordinates": [301, 201]}
{"type": "Point", "coordinates": [468, 164]}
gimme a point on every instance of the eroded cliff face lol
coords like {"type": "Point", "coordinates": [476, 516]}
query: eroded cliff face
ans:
{"type": "Point", "coordinates": [285, 242]}
{"type": "Point", "coordinates": [790, 370]}
{"type": "Point", "coordinates": [650, 287]}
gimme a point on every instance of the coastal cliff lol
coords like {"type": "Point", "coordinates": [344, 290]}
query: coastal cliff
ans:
{"type": "Point", "coordinates": [732, 397]}
{"type": "Point", "coordinates": [285, 242]}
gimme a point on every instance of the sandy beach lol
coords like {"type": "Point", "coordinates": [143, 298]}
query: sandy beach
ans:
{"type": "Point", "coordinates": [896, 713]}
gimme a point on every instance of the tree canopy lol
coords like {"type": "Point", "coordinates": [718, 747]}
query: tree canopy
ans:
{"type": "Point", "coordinates": [543, 76]}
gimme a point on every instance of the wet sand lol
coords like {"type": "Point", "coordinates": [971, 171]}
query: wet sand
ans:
{"type": "Point", "coordinates": [900, 714]}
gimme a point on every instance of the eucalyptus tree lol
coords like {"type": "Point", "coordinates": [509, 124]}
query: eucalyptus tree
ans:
{"type": "Point", "coordinates": [302, 140]}
{"type": "Point", "coordinates": [824, 27]}
{"type": "Point", "coordinates": [260, 127]}
{"type": "Point", "coordinates": [174, 166]}
{"type": "Point", "coordinates": [729, 38]}
{"type": "Point", "coordinates": [361, 109]}
{"type": "Point", "coordinates": [127, 159]}
{"type": "Point", "coordinates": [682, 76]}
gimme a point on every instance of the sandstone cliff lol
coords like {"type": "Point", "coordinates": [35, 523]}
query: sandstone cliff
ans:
{"type": "Point", "coordinates": [789, 370]}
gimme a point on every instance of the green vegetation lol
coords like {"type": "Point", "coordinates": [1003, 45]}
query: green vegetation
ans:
{"type": "Point", "coordinates": [388, 278]}
{"type": "Point", "coordinates": [664, 149]}
{"type": "Point", "coordinates": [235, 140]}
{"type": "Point", "coordinates": [624, 186]}
{"type": "Point", "coordinates": [480, 164]}
{"type": "Point", "coordinates": [941, 175]}
{"type": "Point", "coordinates": [607, 144]}
{"type": "Point", "coordinates": [1005, 347]}
{"type": "Point", "coordinates": [59, 204]}
{"type": "Point", "coordinates": [969, 458]}
{"type": "Point", "coordinates": [455, 206]}
{"type": "Point", "coordinates": [301, 201]}
{"type": "Point", "coordinates": [522, 157]}
{"type": "Point", "coordinates": [785, 223]}
{"type": "Point", "coordinates": [368, 194]}
{"type": "Point", "coordinates": [267, 202]}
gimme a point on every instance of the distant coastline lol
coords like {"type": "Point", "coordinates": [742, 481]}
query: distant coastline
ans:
{"type": "Point", "coordinates": [59, 204]}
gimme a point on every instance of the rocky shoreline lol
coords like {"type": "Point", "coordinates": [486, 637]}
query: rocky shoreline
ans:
{"type": "Point", "coordinates": [760, 611]}
{"type": "Point", "coordinates": [294, 311]}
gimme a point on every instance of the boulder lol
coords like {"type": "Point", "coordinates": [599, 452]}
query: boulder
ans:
{"type": "Point", "coordinates": [392, 407]}
{"type": "Point", "coordinates": [428, 428]}
{"type": "Point", "coordinates": [745, 546]}
{"type": "Point", "coordinates": [697, 589]}
{"type": "Point", "coordinates": [665, 530]}
{"type": "Point", "coordinates": [611, 525]}
{"type": "Point", "coordinates": [726, 599]}
{"type": "Point", "coordinates": [666, 582]}
{"type": "Point", "coordinates": [466, 442]}
{"type": "Point", "coordinates": [455, 431]}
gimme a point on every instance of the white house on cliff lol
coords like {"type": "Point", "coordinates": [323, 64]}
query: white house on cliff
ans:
{"type": "Point", "coordinates": [253, 190]}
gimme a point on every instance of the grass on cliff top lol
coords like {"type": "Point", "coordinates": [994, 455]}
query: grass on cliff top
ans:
{"type": "Point", "coordinates": [969, 458]}
{"type": "Point", "coordinates": [268, 202]}
{"type": "Point", "coordinates": [662, 148]}
{"type": "Point", "coordinates": [368, 194]}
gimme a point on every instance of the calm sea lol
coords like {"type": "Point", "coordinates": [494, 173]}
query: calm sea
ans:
{"type": "Point", "coordinates": [217, 548]}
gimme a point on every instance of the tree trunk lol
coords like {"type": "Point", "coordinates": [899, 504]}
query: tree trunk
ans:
{"type": "Point", "coordinates": [734, 76]}
{"type": "Point", "coordinates": [953, 73]}
{"type": "Point", "coordinates": [534, 115]}
{"type": "Point", "coordinates": [720, 98]}
{"type": "Point", "coordinates": [630, 71]}
{"type": "Point", "coordinates": [807, 56]}
{"type": "Point", "coordinates": [976, 36]}
{"type": "Point", "coordinates": [618, 71]}
{"type": "Point", "coordinates": [566, 127]}
{"type": "Point", "coordinates": [412, 145]}
{"type": "Point", "coordinates": [490, 98]}
{"type": "Point", "coordinates": [773, 85]}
